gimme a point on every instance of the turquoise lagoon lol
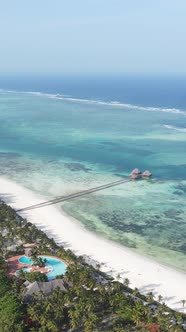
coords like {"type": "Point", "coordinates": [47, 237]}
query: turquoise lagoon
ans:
{"type": "Point", "coordinates": [56, 266]}
{"type": "Point", "coordinates": [58, 145]}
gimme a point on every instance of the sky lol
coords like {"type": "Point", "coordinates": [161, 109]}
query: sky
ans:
{"type": "Point", "coordinates": [93, 36]}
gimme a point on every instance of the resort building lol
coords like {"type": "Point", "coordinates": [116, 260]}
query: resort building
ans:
{"type": "Point", "coordinates": [45, 287]}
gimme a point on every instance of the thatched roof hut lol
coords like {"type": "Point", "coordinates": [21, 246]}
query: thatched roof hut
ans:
{"type": "Point", "coordinates": [135, 174]}
{"type": "Point", "coordinates": [29, 245]}
{"type": "Point", "coordinates": [147, 174]}
{"type": "Point", "coordinates": [46, 287]}
{"type": "Point", "coordinates": [136, 171]}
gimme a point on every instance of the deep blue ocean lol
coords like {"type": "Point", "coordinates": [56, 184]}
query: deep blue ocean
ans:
{"type": "Point", "coordinates": [59, 135]}
{"type": "Point", "coordinates": [157, 91]}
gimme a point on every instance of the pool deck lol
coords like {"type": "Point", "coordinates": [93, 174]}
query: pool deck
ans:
{"type": "Point", "coordinates": [13, 265]}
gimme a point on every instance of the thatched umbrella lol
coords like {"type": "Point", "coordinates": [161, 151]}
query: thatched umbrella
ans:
{"type": "Point", "coordinates": [28, 252]}
{"type": "Point", "coordinates": [136, 174]}
{"type": "Point", "coordinates": [147, 174]}
{"type": "Point", "coordinates": [136, 171]}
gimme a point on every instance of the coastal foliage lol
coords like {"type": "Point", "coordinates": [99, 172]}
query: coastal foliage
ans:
{"type": "Point", "coordinates": [32, 276]}
{"type": "Point", "coordinates": [11, 308]}
{"type": "Point", "coordinates": [38, 261]}
{"type": "Point", "coordinates": [92, 301]}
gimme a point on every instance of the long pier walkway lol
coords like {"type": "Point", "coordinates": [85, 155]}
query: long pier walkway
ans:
{"type": "Point", "coordinates": [75, 195]}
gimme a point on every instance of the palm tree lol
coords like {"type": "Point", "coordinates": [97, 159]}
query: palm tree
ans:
{"type": "Point", "coordinates": [135, 292]}
{"type": "Point", "coordinates": [136, 316]}
{"type": "Point", "coordinates": [117, 286]}
{"type": "Point", "coordinates": [118, 277]}
{"type": "Point", "coordinates": [126, 282]}
{"type": "Point", "coordinates": [150, 297]}
{"type": "Point", "coordinates": [33, 313]}
{"type": "Point", "coordinates": [98, 266]}
{"type": "Point", "coordinates": [74, 316]}
{"type": "Point", "coordinates": [90, 323]}
{"type": "Point", "coordinates": [176, 329]}
{"type": "Point", "coordinates": [183, 303]}
{"type": "Point", "coordinates": [160, 298]}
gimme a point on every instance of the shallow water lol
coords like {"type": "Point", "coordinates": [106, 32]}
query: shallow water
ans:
{"type": "Point", "coordinates": [59, 146]}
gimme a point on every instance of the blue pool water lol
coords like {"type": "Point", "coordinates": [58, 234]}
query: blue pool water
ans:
{"type": "Point", "coordinates": [25, 260]}
{"type": "Point", "coordinates": [57, 266]}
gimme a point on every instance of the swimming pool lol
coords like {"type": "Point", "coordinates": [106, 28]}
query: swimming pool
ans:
{"type": "Point", "coordinates": [56, 266]}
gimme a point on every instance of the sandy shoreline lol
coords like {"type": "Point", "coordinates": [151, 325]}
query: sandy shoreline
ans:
{"type": "Point", "coordinates": [147, 275]}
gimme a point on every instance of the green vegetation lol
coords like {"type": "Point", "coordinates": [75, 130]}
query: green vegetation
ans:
{"type": "Point", "coordinates": [11, 309]}
{"type": "Point", "coordinates": [92, 300]}
{"type": "Point", "coordinates": [38, 261]}
{"type": "Point", "coordinates": [32, 276]}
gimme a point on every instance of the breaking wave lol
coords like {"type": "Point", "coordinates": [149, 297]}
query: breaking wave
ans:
{"type": "Point", "coordinates": [100, 102]}
{"type": "Point", "coordinates": [122, 105]}
{"type": "Point", "coordinates": [175, 128]}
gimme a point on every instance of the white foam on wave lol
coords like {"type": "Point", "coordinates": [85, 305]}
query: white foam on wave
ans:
{"type": "Point", "coordinates": [123, 105]}
{"type": "Point", "coordinates": [38, 93]}
{"type": "Point", "coordinates": [100, 102]}
{"type": "Point", "coordinates": [175, 128]}
{"type": "Point", "coordinates": [35, 93]}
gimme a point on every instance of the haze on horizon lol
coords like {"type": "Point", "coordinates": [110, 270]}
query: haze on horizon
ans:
{"type": "Point", "coordinates": [93, 36]}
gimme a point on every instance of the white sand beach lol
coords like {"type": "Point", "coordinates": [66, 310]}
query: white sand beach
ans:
{"type": "Point", "coordinates": [143, 273]}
